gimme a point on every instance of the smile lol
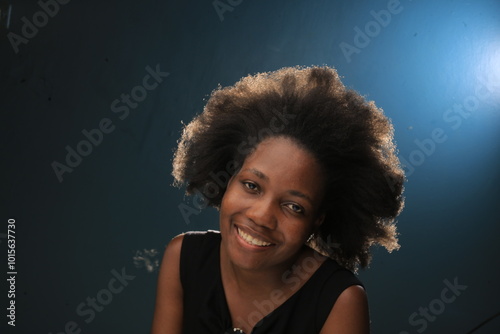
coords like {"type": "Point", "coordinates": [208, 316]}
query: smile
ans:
{"type": "Point", "coordinates": [251, 240]}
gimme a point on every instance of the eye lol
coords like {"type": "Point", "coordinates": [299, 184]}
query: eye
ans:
{"type": "Point", "coordinates": [250, 186]}
{"type": "Point", "coordinates": [295, 207]}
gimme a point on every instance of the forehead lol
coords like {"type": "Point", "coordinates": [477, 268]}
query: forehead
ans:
{"type": "Point", "coordinates": [286, 165]}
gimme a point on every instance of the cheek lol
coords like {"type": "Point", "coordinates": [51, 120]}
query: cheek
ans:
{"type": "Point", "coordinates": [228, 200]}
{"type": "Point", "coordinates": [235, 198]}
{"type": "Point", "coordinates": [230, 203]}
{"type": "Point", "coordinates": [297, 234]}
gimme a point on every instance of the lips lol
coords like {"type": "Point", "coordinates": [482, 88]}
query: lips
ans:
{"type": "Point", "coordinates": [252, 239]}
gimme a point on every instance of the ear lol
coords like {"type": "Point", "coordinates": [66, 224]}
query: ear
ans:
{"type": "Point", "coordinates": [317, 223]}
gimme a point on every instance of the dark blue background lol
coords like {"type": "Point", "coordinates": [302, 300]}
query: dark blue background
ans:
{"type": "Point", "coordinates": [424, 60]}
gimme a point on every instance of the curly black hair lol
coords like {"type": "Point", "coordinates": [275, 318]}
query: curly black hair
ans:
{"type": "Point", "coordinates": [350, 137]}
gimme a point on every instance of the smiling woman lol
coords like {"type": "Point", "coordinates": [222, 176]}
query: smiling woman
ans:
{"type": "Point", "coordinates": [316, 183]}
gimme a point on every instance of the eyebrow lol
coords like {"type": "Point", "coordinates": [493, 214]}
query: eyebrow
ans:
{"type": "Point", "coordinates": [258, 173]}
{"type": "Point", "coordinates": [264, 177]}
{"type": "Point", "coordinates": [299, 194]}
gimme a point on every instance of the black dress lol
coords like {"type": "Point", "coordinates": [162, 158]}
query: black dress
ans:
{"type": "Point", "coordinates": [205, 306]}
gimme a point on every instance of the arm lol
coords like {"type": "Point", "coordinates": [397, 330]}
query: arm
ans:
{"type": "Point", "coordinates": [168, 308]}
{"type": "Point", "coordinates": [350, 314]}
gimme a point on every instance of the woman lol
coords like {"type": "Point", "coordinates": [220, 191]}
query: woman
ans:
{"type": "Point", "coordinates": [304, 174]}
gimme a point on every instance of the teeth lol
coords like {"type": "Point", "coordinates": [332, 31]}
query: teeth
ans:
{"type": "Point", "coordinates": [251, 240]}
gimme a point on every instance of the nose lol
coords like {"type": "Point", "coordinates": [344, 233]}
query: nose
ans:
{"type": "Point", "coordinates": [262, 212]}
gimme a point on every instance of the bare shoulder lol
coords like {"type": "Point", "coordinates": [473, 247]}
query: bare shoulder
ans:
{"type": "Point", "coordinates": [350, 313]}
{"type": "Point", "coordinates": [174, 246]}
{"type": "Point", "coordinates": [168, 307]}
{"type": "Point", "coordinates": [171, 257]}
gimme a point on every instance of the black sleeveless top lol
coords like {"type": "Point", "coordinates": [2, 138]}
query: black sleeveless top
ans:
{"type": "Point", "coordinates": [205, 306]}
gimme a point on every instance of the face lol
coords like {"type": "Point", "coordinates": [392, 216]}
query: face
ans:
{"type": "Point", "coordinates": [271, 206]}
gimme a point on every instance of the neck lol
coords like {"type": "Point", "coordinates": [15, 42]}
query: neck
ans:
{"type": "Point", "coordinates": [268, 279]}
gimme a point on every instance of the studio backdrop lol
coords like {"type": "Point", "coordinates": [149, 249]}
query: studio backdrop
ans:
{"type": "Point", "coordinates": [93, 99]}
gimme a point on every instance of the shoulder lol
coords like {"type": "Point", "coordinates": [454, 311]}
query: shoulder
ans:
{"type": "Point", "coordinates": [340, 294]}
{"type": "Point", "coordinates": [181, 255]}
{"type": "Point", "coordinates": [199, 236]}
{"type": "Point", "coordinates": [195, 242]}
{"type": "Point", "coordinates": [336, 279]}
{"type": "Point", "coordinates": [192, 250]}
{"type": "Point", "coordinates": [194, 239]}
{"type": "Point", "coordinates": [169, 293]}
{"type": "Point", "coordinates": [174, 246]}
{"type": "Point", "coordinates": [348, 310]}
{"type": "Point", "coordinates": [349, 314]}
{"type": "Point", "coordinates": [172, 254]}
{"type": "Point", "coordinates": [169, 268]}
